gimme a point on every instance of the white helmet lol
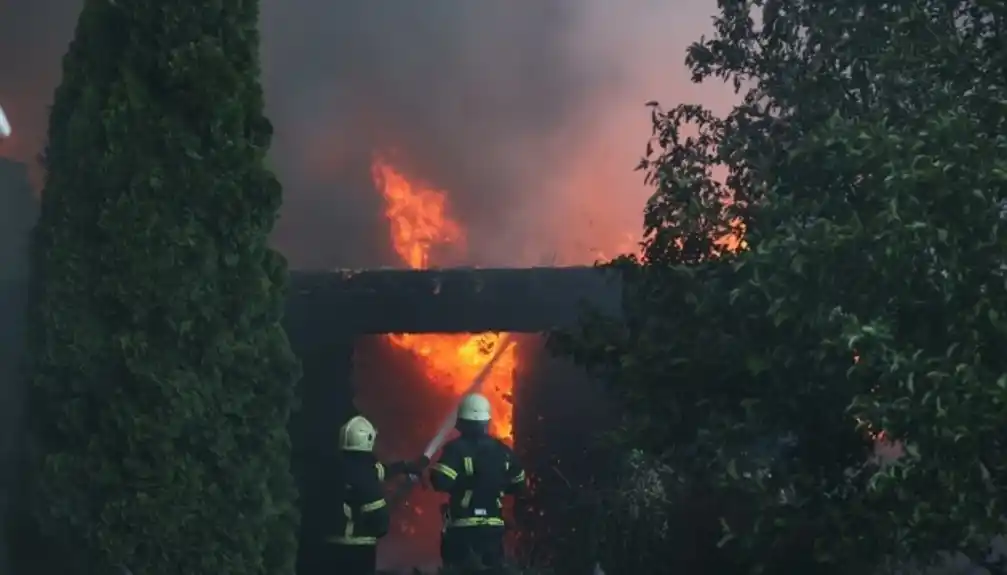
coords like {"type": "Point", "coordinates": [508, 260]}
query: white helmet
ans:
{"type": "Point", "coordinates": [357, 435]}
{"type": "Point", "coordinates": [474, 407]}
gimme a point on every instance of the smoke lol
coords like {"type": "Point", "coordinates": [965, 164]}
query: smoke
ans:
{"type": "Point", "coordinates": [33, 37]}
{"type": "Point", "coordinates": [529, 114]}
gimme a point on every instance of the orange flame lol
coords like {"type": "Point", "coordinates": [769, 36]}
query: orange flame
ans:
{"type": "Point", "coordinates": [417, 215]}
{"type": "Point", "coordinates": [421, 230]}
{"type": "Point", "coordinates": [452, 361]}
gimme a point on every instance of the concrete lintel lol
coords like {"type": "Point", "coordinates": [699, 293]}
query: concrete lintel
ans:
{"type": "Point", "coordinates": [449, 300]}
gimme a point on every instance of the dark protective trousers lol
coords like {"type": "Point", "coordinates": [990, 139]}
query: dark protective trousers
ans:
{"type": "Point", "coordinates": [349, 559]}
{"type": "Point", "coordinates": [473, 546]}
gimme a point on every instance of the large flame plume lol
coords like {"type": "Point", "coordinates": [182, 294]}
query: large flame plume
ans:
{"type": "Point", "coordinates": [423, 233]}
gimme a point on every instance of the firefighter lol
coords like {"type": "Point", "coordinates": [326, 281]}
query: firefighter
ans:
{"type": "Point", "coordinates": [351, 549]}
{"type": "Point", "coordinates": [476, 470]}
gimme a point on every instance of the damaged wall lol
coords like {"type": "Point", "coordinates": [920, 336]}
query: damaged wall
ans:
{"type": "Point", "coordinates": [559, 412]}
{"type": "Point", "coordinates": [18, 216]}
{"type": "Point", "coordinates": [450, 300]}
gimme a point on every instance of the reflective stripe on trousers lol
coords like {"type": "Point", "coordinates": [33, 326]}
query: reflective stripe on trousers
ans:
{"type": "Point", "coordinates": [469, 466]}
{"type": "Point", "coordinates": [353, 540]}
{"type": "Point", "coordinates": [475, 522]}
{"type": "Point", "coordinates": [348, 537]}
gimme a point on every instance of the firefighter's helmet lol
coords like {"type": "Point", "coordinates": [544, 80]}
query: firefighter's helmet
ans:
{"type": "Point", "coordinates": [357, 435]}
{"type": "Point", "coordinates": [474, 407]}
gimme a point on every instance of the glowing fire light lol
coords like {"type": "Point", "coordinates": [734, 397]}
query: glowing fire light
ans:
{"type": "Point", "coordinates": [421, 228]}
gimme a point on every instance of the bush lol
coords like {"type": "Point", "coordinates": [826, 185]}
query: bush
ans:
{"type": "Point", "coordinates": [659, 520]}
{"type": "Point", "coordinates": [864, 173]}
{"type": "Point", "coordinates": [633, 527]}
{"type": "Point", "coordinates": [162, 381]}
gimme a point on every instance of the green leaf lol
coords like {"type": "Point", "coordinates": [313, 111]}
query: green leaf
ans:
{"type": "Point", "coordinates": [847, 160]}
{"type": "Point", "coordinates": [797, 264]}
{"type": "Point", "coordinates": [734, 294]}
{"type": "Point", "coordinates": [756, 364]}
{"type": "Point", "coordinates": [727, 536]}
{"type": "Point", "coordinates": [732, 469]}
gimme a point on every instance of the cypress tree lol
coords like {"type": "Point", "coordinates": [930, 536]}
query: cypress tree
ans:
{"type": "Point", "coordinates": [162, 380]}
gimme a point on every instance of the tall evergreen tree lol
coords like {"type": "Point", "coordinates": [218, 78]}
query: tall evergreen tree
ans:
{"type": "Point", "coordinates": [162, 379]}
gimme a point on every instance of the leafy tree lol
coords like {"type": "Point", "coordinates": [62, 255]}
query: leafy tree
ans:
{"type": "Point", "coordinates": [866, 165]}
{"type": "Point", "coordinates": [162, 380]}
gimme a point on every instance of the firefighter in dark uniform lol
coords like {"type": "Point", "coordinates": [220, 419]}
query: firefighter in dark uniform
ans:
{"type": "Point", "coordinates": [351, 546]}
{"type": "Point", "coordinates": [476, 470]}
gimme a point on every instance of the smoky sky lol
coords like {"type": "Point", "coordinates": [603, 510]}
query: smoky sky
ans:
{"type": "Point", "coordinates": [527, 112]}
{"type": "Point", "coordinates": [465, 92]}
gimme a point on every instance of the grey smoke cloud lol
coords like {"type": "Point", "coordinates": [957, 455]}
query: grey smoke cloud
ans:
{"type": "Point", "coordinates": [468, 92]}
{"type": "Point", "coordinates": [528, 113]}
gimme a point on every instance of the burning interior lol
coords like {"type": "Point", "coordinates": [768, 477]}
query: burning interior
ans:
{"type": "Point", "coordinates": [406, 384]}
{"type": "Point", "coordinates": [542, 407]}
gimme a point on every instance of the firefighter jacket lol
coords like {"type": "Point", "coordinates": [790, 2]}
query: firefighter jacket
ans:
{"type": "Point", "coordinates": [476, 472]}
{"type": "Point", "coordinates": [364, 514]}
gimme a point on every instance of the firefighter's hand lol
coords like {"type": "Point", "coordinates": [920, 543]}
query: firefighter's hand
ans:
{"type": "Point", "coordinates": [409, 468]}
{"type": "Point", "coordinates": [397, 468]}
{"type": "Point", "coordinates": [415, 468]}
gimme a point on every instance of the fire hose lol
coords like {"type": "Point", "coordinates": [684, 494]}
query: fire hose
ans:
{"type": "Point", "coordinates": [448, 424]}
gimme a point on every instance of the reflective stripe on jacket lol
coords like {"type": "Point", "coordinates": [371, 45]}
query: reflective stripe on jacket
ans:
{"type": "Point", "coordinates": [476, 472]}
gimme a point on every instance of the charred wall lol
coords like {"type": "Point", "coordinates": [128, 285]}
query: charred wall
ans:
{"type": "Point", "coordinates": [455, 300]}
{"type": "Point", "coordinates": [18, 216]}
{"type": "Point", "coordinates": [559, 413]}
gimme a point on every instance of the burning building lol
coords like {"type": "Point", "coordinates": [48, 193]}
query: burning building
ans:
{"type": "Point", "coordinates": [530, 116]}
{"type": "Point", "coordinates": [533, 140]}
{"type": "Point", "coordinates": [401, 346]}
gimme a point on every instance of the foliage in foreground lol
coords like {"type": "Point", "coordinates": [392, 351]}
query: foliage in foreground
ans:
{"type": "Point", "coordinates": [866, 173]}
{"type": "Point", "coordinates": [162, 380]}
